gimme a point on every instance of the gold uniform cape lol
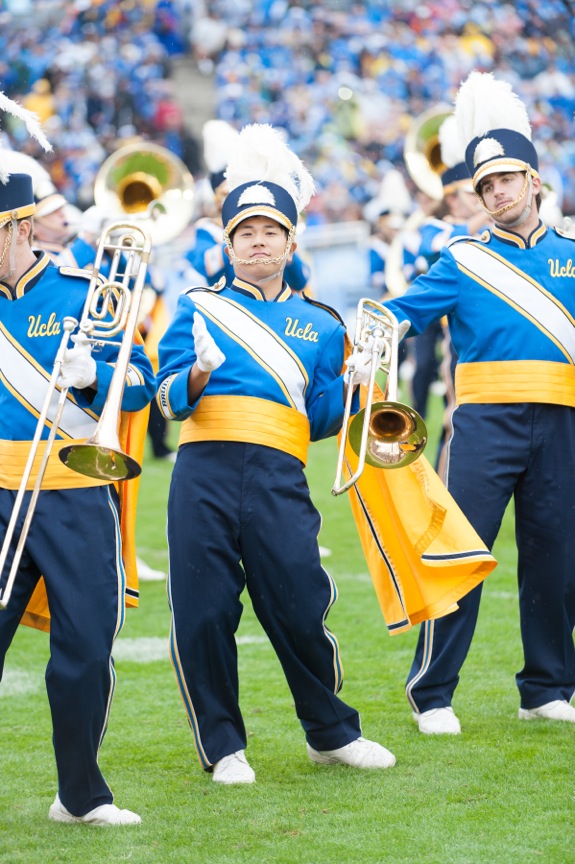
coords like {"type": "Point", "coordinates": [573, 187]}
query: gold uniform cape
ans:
{"type": "Point", "coordinates": [132, 434]}
{"type": "Point", "coordinates": [422, 553]}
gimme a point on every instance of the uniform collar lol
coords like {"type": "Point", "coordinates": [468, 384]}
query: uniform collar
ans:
{"type": "Point", "coordinates": [249, 290]}
{"type": "Point", "coordinates": [513, 239]}
{"type": "Point", "coordinates": [28, 279]}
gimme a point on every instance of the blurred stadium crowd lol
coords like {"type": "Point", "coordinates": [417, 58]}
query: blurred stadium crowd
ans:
{"type": "Point", "coordinates": [344, 79]}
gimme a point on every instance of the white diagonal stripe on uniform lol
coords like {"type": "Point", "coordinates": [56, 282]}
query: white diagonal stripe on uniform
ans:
{"type": "Point", "coordinates": [262, 343]}
{"type": "Point", "coordinates": [522, 292]}
{"type": "Point", "coordinates": [31, 386]}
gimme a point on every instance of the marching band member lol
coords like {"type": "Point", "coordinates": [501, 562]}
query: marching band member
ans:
{"type": "Point", "coordinates": [386, 214]}
{"type": "Point", "coordinates": [74, 540]}
{"type": "Point", "coordinates": [510, 305]}
{"type": "Point", "coordinates": [53, 229]}
{"type": "Point", "coordinates": [207, 256]}
{"type": "Point", "coordinates": [254, 372]}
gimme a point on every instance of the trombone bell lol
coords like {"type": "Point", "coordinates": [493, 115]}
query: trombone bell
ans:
{"type": "Point", "coordinates": [397, 435]}
{"type": "Point", "coordinates": [384, 434]}
{"type": "Point", "coordinates": [102, 463]}
{"type": "Point", "coordinates": [127, 245]}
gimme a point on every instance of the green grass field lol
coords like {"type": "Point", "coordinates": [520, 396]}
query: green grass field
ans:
{"type": "Point", "coordinates": [501, 793]}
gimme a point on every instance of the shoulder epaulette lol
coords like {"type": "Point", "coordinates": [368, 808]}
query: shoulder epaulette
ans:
{"type": "Point", "coordinates": [568, 233]}
{"type": "Point", "coordinates": [484, 237]}
{"type": "Point", "coordinates": [322, 306]}
{"type": "Point", "coordinates": [79, 273]}
{"type": "Point", "coordinates": [219, 286]}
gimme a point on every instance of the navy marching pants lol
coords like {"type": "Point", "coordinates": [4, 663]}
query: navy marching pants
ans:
{"type": "Point", "coordinates": [74, 542]}
{"type": "Point", "coordinates": [240, 514]}
{"type": "Point", "coordinates": [498, 451]}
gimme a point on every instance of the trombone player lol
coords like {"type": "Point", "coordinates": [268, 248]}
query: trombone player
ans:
{"type": "Point", "coordinates": [510, 302]}
{"type": "Point", "coordinates": [74, 540]}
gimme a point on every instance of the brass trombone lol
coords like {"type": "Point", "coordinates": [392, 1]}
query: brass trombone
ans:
{"type": "Point", "coordinates": [110, 308]}
{"type": "Point", "coordinates": [385, 434]}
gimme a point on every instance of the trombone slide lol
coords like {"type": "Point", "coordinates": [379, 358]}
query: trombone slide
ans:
{"type": "Point", "coordinates": [101, 456]}
{"type": "Point", "coordinates": [69, 325]}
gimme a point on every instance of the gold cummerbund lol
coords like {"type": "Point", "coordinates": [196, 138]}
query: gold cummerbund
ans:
{"type": "Point", "coordinates": [248, 419]}
{"type": "Point", "coordinates": [13, 458]}
{"type": "Point", "coordinates": [516, 381]}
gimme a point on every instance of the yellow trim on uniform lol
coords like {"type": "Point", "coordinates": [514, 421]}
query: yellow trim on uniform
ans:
{"type": "Point", "coordinates": [515, 381]}
{"type": "Point", "coordinates": [13, 458]}
{"type": "Point", "coordinates": [251, 420]}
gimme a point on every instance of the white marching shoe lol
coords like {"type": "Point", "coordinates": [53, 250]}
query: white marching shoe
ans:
{"type": "Point", "coordinates": [438, 721]}
{"type": "Point", "coordinates": [234, 768]}
{"type": "Point", "coordinates": [147, 573]}
{"type": "Point", "coordinates": [106, 815]}
{"type": "Point", "coordinates": [360, 753]}
{"type": "Point", "coordinates": [557, 710]}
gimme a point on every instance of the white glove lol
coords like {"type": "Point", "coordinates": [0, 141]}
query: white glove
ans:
{"type": "Point", "coordinates": [208, 355]}
{"type": "Point", "coordinates": [359, 363]}
{"type": "Point", "coordinates": [78, 368]}
{"type": "Point", "coordinates": [403, 328]}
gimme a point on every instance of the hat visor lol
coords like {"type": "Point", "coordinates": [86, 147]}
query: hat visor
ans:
{"type": "Point", "coordinates": [49, 205]}
{"type": "Point", "coordinates": [502, 166]}
{"type": "Point", "coordinates": [17, 213]}
{"type": "Point", "coordinates": [259, 210]}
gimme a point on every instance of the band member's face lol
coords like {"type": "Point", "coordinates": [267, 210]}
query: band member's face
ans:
{"type": "Point", "coordinates": [259, 240]}
{"type": "Point", "coordinates": [53, 228]}
{"type": "Point", "coordinates": [506, 190]}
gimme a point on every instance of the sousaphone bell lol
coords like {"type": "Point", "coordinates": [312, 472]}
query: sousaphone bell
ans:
{"type": "Point", "coordinates": [150, 185]}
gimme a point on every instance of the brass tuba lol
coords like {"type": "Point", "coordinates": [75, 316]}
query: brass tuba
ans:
{"type": "Point", "coordinates": [150, 185]}
{"type": "Point", "coordinates": [384, 434]}
{"type": "Point", "coordinates": [422, 152]}
{"type": "Point", "coordinates": [422, 155]}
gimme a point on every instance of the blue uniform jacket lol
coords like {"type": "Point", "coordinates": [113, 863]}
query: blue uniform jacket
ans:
{"type": "Point", "coordinates": [288, 353]}
{"type": "Point", "coordinates": [511, 310]}
{"type": "Point", "coordinates": [30, 335]}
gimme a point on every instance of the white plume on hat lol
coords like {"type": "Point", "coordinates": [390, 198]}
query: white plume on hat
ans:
{"type": "Point", "coordinates": [393, 196]}
{"type": "Point", "coordinates": [484, 103]}
{"type": "Point", "coordinates": [450, 143]}
{"type": "Point", "coordinates": [32, 122]}
{"type": "Point", "coordinates": [13, 162]}
{"type": "Point", "coordinates": [220, 139]}
{"type": "Point", "coordinates": [261, 153]}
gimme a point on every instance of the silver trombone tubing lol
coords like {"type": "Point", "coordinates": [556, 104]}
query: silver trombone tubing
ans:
{"type": "Point", "coordinates": [380, 349]}
{"type": "Point", "coordinates": [384, 434]}
{"type": "Point", "coordinates": [69, 325]}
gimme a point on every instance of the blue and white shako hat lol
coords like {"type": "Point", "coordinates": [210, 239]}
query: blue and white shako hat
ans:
{"type": "Point", "coordinates": [16, 198]}
{"type": "Point", "coordinates": [494, 124]}
{"type": "Point", "coordinates": [456, 173]}
{"type": "Point", "coordinates": [265, 178]}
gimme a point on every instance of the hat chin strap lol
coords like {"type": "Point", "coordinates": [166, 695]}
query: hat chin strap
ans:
{"type": "Point", "coordinates": [10, 246]}
{"type": "Point", "coordinates": [527, 187]}
{"type": "Point", "coordinates": [248, 262]}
